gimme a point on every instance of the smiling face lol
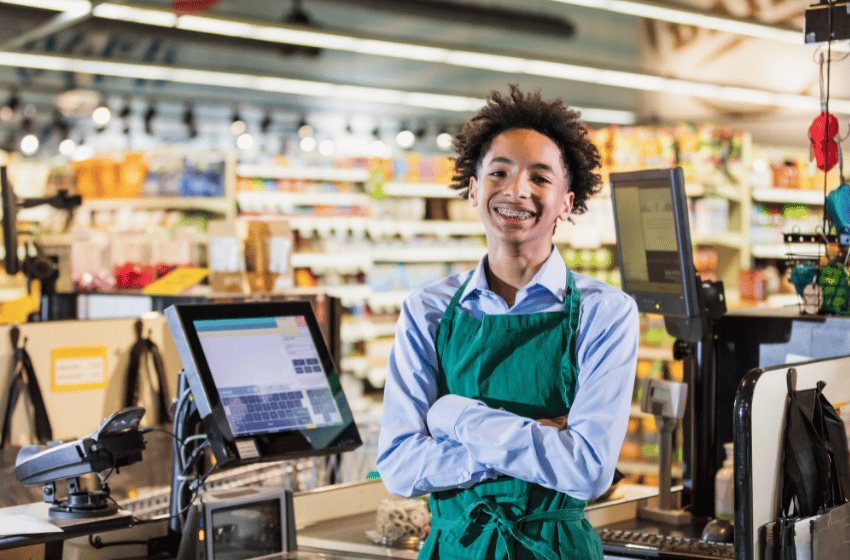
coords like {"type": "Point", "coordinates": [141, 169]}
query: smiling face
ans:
{"type": "Point", "coordinates": [521, 190]}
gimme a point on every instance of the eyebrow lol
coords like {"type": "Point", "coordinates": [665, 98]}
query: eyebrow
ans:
{"type": "Point", "coordinates": [509, 161]}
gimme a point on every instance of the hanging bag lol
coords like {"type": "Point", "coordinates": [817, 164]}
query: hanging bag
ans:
{"type": "Point", "coordinates": [814, 516]}
{"type": "Point", "coordinates": [144, 352]}
{"type": "Point", "coordinates": [24, 381]}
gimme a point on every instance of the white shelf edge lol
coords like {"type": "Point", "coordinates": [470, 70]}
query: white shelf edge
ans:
{"type": "Point", "coordinates": [353, 175]}
{"type": "Point", "coordinates": [217, 204]}
{"type": "Point", "coordinates": [814, 198]}
{"type": "Point", "coordinates": [429, 254]}
{"type": "Point", "coordinates": [651, 353]}
{"type": "Point", "coordinates": [697, 190]}
{"type": "Point", "coordinates": [780, 250]}
{"type": "Point", "coordinates": [731, 240]}
{"type": "Point", "coordinates": [377, 227]}
{"type": "Point", "coordinates": [260, 201]}
{"type": "Point", "coordinates": [425, 190]}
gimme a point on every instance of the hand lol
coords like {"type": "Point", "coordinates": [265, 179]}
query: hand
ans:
{"type": "Point", "coordinates": [559, 422]}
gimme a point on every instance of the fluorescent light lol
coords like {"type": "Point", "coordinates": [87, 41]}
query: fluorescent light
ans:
{"type": "Point", "coordinates": [606, 116]}
{"type": "Point", "coordinates": [457, 57]}
{"type": "Point", "coordinates": [679, 14]}
{"type": "Point", "coordinates": [74, 6]}
{"type": "Point", "coordinates": [140, 15]}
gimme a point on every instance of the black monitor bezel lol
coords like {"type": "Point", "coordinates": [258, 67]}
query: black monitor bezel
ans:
{"type": "Point", "coordinates": [10, 224]}
{"type": "Point", "coordinates": [274, 446]}
{"type": "Point", "coordinates": [669, 305]}
{"type": "Point", "coordinates": [216, 502]}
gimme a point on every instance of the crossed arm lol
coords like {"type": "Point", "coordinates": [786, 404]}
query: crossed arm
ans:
{"type": "Point", "coordinates": [428, 444]}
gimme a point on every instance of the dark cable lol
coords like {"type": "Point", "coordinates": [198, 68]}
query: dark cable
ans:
{"type": "Point", "coordinates": [97, 543]}
{"type": "Point", "coordinates": [148, 430]}
{"type": "Point", "coordinates": [826, 117]}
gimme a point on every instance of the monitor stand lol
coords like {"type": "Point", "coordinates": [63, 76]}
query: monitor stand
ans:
{"type": "Point", "coordinates": [695, 345]}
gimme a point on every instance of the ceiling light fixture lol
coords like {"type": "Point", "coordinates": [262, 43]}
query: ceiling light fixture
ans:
{"type": "Point", "coordinates": [75, 6]}
{"type": "Point", "coordinates": [266, 123]}
{"type": "Point", "coordinates": [304, 129]}
{"type": "Point", "coordinates": [101, 116]}
{"type": "Point", "coordinates": [444, 140]}
{"type": "Point", "coordinates": [405, 138]}
{"type": "Point", "coordinates": [698, 18]}
{"type": "Point", "coordinates": [327, 147]}
{"type": "Point", "coordinates": [237, 125]}
{"type": "Point", "coordinates": [448, 55]}
{"type": "Point", "coordinates": [150, 115]}
{"type": "Point", "coordinates": [190, 122]}
{"type": "Point", "coordinates": [29, 142]}
{"type": "Point", "coordinates": [7, 112]}
{"type": "Point", "coordinates": [308, 144]}
{"type": "Point", "coordinates": [245, 141]}
{"type": "Point", "coordinates": [272, 84]}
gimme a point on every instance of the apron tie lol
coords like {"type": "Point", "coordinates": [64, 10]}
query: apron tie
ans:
{"type": "Point", "coordinates": [487, 513]}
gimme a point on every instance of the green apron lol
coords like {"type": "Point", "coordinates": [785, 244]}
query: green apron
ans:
{"type": "Point", "coordinates": [524, 364]}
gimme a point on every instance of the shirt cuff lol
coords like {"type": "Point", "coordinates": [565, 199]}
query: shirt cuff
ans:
{"type": "Point", "coordinates": [444, 414]}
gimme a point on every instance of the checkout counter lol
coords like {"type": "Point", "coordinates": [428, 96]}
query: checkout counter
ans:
{"type": "Point", "coordinates": [331, 521]}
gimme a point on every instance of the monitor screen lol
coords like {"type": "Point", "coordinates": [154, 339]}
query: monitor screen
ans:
{"type": "Point", "coordinates": [263, 380]}
{"type": "Point", "coordinates": [245, 531]}
{"type": "Point", "coordinates": [10, 227]}
{"type": "Point", "coordinates": [654, 241]}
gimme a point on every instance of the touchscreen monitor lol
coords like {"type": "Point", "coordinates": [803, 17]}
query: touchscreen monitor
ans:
{"type": "Point", "coordinates": [654, 241]}
{"type": "Point", "coordinates": [263, 380]}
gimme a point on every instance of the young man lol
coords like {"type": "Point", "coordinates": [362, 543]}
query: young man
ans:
{"type": "Point", "coordinates": [509, 386]}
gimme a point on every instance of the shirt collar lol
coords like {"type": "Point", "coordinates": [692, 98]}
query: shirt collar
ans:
{"type": "Point", "coordinates": [552, 276]}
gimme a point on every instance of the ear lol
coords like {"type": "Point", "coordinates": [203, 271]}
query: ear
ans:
{"type": "Point", "coordinates": [568, 206]}
{"type": "Point", "coordinates": [473, 191]}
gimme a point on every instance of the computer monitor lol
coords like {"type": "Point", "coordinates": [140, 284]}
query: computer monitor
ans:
{"type": "Point", "coordinates": [263, 381]}
{"type": "Point", "coordinates": [654, 247]}
{"type": "Point", "coordinates": [10, 226]}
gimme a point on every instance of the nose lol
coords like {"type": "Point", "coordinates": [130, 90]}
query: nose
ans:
{"type": "Point", "coordinates": [519, 186]}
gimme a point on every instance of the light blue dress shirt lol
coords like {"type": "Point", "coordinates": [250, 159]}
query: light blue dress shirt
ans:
{"type": "Point", "coordinates": [428, 444]}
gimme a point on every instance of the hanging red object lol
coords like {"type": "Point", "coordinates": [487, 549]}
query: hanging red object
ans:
{"type": "Point", "coordinates": [824, 147]}
{"type": "Point", "coordinates": [181, 7]}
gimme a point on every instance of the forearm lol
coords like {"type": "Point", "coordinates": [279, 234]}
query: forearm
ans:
{"type": "Point", "coordinates": [568, 460]}
{"type": "Point", "coordinates": [413, 464]}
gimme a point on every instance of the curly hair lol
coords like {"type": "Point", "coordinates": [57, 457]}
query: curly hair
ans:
{"type": "Point", "coordinates": [550, 118]}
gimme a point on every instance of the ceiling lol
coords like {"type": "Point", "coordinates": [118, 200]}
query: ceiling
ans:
{"type": "Point", "coordinates": [533, 29]}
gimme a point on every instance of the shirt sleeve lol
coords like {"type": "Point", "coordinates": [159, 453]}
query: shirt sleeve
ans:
{"type": "Point", "coordinates": [410, 461]}
{"type": "Point", "coordinates": [581, 459]}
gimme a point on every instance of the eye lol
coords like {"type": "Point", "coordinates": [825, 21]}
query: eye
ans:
{"type": "Point", "coordinates": [498, 173]}
{"type": "Point", "coordinates": [541, 179]}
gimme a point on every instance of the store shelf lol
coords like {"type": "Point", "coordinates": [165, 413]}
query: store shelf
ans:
{"type": "Point", "coordinates": [780, 250]}
{"type": "Point", "coordinates": [306, 173]}
{"type": "Point", "coordinates": [340, 262]}
{"type": "Point", "coordinates": [729, 192]}
{"type": "Point", "coordinates": [731, 240]}
{"type": "Point", "coordinates": [216, 204]}
{"type": "Point", "coordinates": [581, 236]}
{"type": "Point", "coordinates": [637, 467]}
{"type": "Point", "coordinates": [362, 294]}
{"type": "Point", "coordinates": [429, 254]}
{"type": "Point", "coordinates": [783, 300]}
{"type": "Point", "coordinates": [377, 228]}
{"type": "Point", "coordinates": [419, 190]}
{"type": "Point", "coordinates": [812, 198]}
{"type": "Point", "coordinates": [346, 261]}
{"type": "Point", "coordinates": [356, 331]}
{"type": "Point", "coordinates": [650, 353]}
{"type": "Point", "coordinates": [284, 201]}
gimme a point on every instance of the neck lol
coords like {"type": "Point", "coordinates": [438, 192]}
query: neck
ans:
{"type": "Point", "coordinates": [509, 271]}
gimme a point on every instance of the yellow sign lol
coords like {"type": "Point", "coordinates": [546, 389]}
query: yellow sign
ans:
{"type": "Point", "coordinates": [176, 281]}
{"type": "Point", "coordinates": [78, 369]}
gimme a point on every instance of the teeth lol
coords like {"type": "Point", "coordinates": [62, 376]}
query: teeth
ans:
{"type": "Point", "coordinates": [513, 213]}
